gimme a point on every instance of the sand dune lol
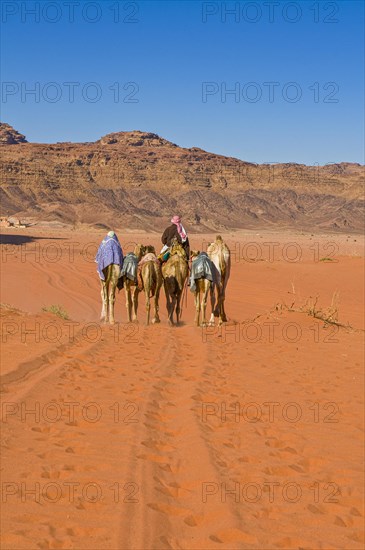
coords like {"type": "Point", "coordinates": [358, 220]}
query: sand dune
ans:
{"type": "Point", "coordinates": [247, 437]}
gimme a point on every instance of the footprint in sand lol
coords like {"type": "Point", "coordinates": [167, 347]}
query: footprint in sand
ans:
{"type": "Point", "coordinates": [173, 489]}
{"type": "Point", "coordinates": [153, 458]}
{"type": "Point", "coordinates": [194, 520]}
{"type": "Point", "coordinates": [158, 445]}
{"type": "Point", "coordinates": [167, 509]}
{"type": "Point", "coordinates": [227, 536]}
{"type": "Point", "coordinates": [315, 509]}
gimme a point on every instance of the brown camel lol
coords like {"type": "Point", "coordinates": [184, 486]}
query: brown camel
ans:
{"type": "Point", "coordinates": [175, 272]}
{"type": "Point", "coordinates": [202, 288]}
{"type": "Point", "coordinates": [131, 290]}
{"type": "Point", "coordinates": [131, 300]}
{"type": "Point", "coordinates": [151, 277]}
{"type": "Point", "coordinates": [219, 253]}
{"type": "Point", "coordinates": [108, 287]}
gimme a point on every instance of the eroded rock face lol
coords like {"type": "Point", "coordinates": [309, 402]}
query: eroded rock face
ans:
{"type": "Point", "coordinates": [137, 180]}
{"type": "Point", "coordinates": [9, 136]}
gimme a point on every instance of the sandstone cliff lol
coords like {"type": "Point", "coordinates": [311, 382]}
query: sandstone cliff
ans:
{"type": "Point", "coordinates": [137, 180]}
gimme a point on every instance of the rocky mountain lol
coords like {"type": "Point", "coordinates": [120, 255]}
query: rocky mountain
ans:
{"type": "Point", "coordinates": [9, 136]}
{"type": "Point", "coordinates": [137, 180]}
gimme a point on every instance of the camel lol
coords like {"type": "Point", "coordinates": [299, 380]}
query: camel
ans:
{"type": "Point", "coordinates": [219, 253]}
{"type": "Point", "coordinates": [131, 300]}
{"type": "Point", "coordinates": [150, 273]}
{"type": "Point", "coordinates": [108, 287]}
{"type": "Point", "coordinates": [109, 258]}
{"type": "Point", "coordinates": [131, 290]}
{"type": "Point", "coordinates": [175, 272]}
{"type": "Point", "coordinates": [202, 288]}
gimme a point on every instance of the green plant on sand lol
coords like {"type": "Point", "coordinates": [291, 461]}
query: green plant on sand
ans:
{"type": "Point", "coordinates": [56, 310]}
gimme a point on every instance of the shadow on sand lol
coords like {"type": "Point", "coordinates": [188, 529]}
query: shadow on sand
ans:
{"type": "Point", "coordinates": [24, 239]}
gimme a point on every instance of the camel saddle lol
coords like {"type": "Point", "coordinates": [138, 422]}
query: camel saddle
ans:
{"type": "Point", "coordinates": [129, 269]}
{"type": "Point", "coordinates": [202, 268]}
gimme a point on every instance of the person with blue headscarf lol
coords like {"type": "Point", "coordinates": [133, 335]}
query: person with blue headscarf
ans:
{"type": "Point", "coordinates": [109, 252]}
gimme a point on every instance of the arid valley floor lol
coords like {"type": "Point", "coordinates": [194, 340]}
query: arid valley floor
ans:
{"type": "Point", "coordinates": [244, 437]}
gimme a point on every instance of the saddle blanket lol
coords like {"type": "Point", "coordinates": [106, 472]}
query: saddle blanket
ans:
{"type": "Point", "coordinates": [202, 267]}
{"type": "Point", "coordinates": [109, 252]}
{"type": "Point", "coordinates": [149, 257]}
{"type": "Point", "coordinates": [129, 269]}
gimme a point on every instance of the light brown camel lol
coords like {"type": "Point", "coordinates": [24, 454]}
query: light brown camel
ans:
{"type": "Point", "coordinates": [150, 273]}
{"type": "Point", "coordinates": [108, 287]}
{"type": "Point", "coordinates": [219, 253]}
{"type": "Point", "coordinates": [131, 290]}
{"type": "Point", "coordinates": [175, 272]}
{"type": "Point", "coordinates": [202, 288]}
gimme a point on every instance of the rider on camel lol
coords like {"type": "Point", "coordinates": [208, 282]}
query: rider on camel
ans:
{"type": "Point", "coordinates": [176, 231]}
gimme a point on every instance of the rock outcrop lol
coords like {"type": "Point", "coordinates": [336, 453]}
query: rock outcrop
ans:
{"type": "Point", "coordinates": [9, 136]}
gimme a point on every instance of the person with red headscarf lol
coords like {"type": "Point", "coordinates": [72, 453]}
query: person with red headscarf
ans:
{"type": "Point", "coordinates": [176, 231]}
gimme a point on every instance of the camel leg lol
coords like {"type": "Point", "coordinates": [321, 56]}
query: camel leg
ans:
{"type": "Point", "coordinates": [135, 305]}
{"type": "Point", "coordinates": [197, 307]}
{"type": "Point", "coordinates": [168, 303]}
{"type": "Point", "coordinates": [204, 305]}
{"type": "Point", "coordinates": [223, 297]}
{"type": "Point", "coordinates": [212, 302]}
{"type": "Point", "coordinates": [128, 301]}
{"type": "Point", "coordinates": [223, 313]}
{"type": "Point", "coordinates": [156, 318]}
{"type": "Point", "coordinates": [172, 308]}
{"type": "Point", "coordinates": [104, 300]}
{"type": "Point", "coordinates": [148, 307]}
{"type": "Point", "coordinates": [129, 305]}
{"type": "Point", "coordinates": [105, 312]}
{"type": "Point", "coordinates": [111, 302]}
{"type": "Point", "coordinates": [178, 308]}
{"type": "Point", "coordinates": [219, 307]}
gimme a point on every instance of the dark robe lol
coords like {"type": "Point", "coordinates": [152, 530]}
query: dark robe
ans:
{"type": "Point", "coordinates": [171, 233]}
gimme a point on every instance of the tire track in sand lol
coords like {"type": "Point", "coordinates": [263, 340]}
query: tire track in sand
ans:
{"type": "Point", "coordinates": [19, 382]}
{"type": "Point", "coordinates": [71, 449]}
{"type": "Point", "coordinates": [171, 460]}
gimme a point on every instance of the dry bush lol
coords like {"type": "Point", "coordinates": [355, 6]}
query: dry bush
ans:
{"type": "Point", "coordinates": [311, 307]}
{"type": "Point", "coordinates": [329, 315]}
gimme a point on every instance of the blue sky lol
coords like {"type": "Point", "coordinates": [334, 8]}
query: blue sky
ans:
{"type": "Point", "coordinates": [296, 69]}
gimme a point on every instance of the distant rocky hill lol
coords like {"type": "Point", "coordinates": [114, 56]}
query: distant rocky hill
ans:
{"type": "Point", "coordinates": [137, 180]}
{"type": "Point", "coordinates": [9, 136]}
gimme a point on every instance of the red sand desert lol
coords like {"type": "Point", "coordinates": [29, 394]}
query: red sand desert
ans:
{"type": "Point", "coordinates": [134, 437]}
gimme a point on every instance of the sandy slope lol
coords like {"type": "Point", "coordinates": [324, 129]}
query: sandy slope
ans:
{"type": "Point", "coordinates": [158, 437]}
